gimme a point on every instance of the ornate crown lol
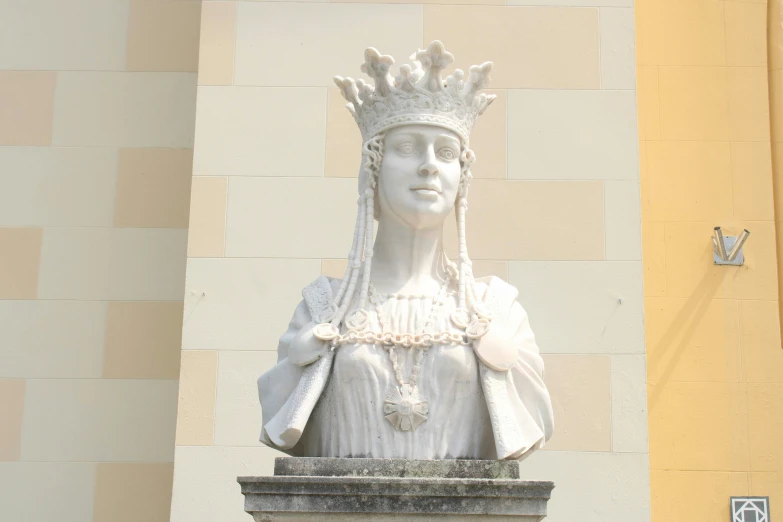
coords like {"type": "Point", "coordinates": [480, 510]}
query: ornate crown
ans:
{"type": "Point", "coordinates": [417, 94]}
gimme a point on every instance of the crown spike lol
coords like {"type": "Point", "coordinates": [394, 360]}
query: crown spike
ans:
{"type": "Point", "coordinates": [485, 100]}
{"type": "Point", "coordinates": [433, 61]}
{"type": "Point", "coordinates": [478, 79]}
{"type": "Point", "coordinates": [406, 80]}
{"type": "Point", "coordinates": [349, 90]}
{"type": "Point", "coordinates": [376, 66]}
{"type": "Point", "coordinates": [365, 90]}
{"type": "Point", "coordinates": [455, 82]}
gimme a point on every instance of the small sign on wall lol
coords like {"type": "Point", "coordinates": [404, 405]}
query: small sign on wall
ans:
{"type": "Point", "coordinates": [750, 509]}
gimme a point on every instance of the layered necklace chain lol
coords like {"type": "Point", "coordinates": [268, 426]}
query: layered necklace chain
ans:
{"type": "Point", "coordinates": [404, 407]}
{"type": "Point", "coordinates": [417, 341]}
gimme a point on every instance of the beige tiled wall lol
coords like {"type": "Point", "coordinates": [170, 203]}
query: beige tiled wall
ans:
{"type": "Point", "coordinates": [555, 209]}
{"type": "Point", "coordinates": [97, 104]}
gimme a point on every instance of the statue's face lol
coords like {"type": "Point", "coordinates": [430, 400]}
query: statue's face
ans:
{"type": "Point", "coordinates": [420, 174]}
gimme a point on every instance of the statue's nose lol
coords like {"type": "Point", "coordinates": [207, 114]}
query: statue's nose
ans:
{"type": "Point", "coordinates": [428, 169]}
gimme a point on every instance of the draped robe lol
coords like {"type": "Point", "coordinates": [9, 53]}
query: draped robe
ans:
{"type": "Point", "coordinates": [334, 406]}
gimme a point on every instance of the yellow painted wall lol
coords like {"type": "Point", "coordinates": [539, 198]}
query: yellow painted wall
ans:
{"type": "Point", "coordinates": [715, 365]}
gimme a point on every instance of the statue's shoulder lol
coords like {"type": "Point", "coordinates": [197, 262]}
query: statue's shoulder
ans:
{"type": "Point", "coordinates": [496, 293]}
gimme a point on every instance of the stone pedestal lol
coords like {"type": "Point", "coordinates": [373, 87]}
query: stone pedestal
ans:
{"type": "Point", "coordinates": [315, 489]}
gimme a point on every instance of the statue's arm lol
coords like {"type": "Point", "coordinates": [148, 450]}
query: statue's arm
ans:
{"type": "Point", "coordinates": [300, 318]}
{"type": "Point", "coordinates": [527, 373]}
{"type": "Point", "coordinates": [289, 389]}
{"type": "Point", "coordinates": [278, 383]}
{"type": "Point", "coordinates": [512, 372]}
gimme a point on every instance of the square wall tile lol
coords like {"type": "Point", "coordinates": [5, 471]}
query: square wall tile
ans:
{"type": "Point", "coordinates": [216, 45]}
{"type": "Point", "coordinates": [237, 410]}
{"type": "Point", "coordinates": [593, 486]}
{"type": "Point", "coordinates": [694, 32]}
{"type": "Point", "coordinates": [660, 428]}
{"type": "Point", "coordinates": [343, 139]}
{"type": "Point", "coordinates": [623, 220]}
{"type": "Point", "coordinates": [762, 356]}
{"type": "Point", "coordinates": [243, 304]}
{"type": "Point", "coordinates": [769, 485]}
{"type": "Point", "coordinates": [751, 179]}
{"type": "Point", "coordinates": [531, 47]}
{"type": "Point", "coordinates": [542, 220]}
{"type": "Point", "coordinates": [205, 481]}
{"type": "Point", "coordinates": [264, 214]}
{"type": "Point", "coordinates": [746, 33]}
{"type": "Point", "coordinates": [50, 35]}
{"type": "Point", "coordinates": [276, 41]}
{"type": "Point", "coordinates": [85, 263]}
{"type": "Point", "coordinates": [483, 268]}
{"type": "Point", "coordinates": [759, 280]}
{"type": "Point", "coordinates": [693, 101]}
{"type": "Point", "coordinates": [130, 492]}
{"type": "Point", "coordinates": [11, 409]}
{"type": "Point", "coordinates": [196, 409]}
{"type": "Point", "coordinates": [748, 95]}
{"type": "Point", "coordinates": [765, 426]}
{"type": "Point", "coordinates": [597, 128]}
{"type": "Point", "coordinates": [690, 270]}
{"type": "Point", "coordinates": [688, 181]}
{"type": "Point", "coordinates": [581, 398]}
{"type": "Point", "coordinates": [153, 188]}
{"type": "Point", "coordinates": [600, 302]}
{"type": "Point", "coordinates": [70, 484]}
{"type": "Point", "coordinates": [52, 186]}
{"type": "Point", "coordinates": [143, 340]}
{"type": "Point", "coordinates": [235, 134]}
{"type": "Point", "coordinates": [163, 36]}
{"type": "Point", "coordinates": [334, 267]}
{"type": "Point", "coordinates": [125, 109]}
{"type": "Point", "coordinates": [694, 339]}
{"type": "Point", "coordinates": [27, 107]}
{"type": "Point", "coordinates": [207, 224]}
{"type": "Point", "coordinates": [710, 426]}
{"type": "Point", "coordinates": [20, 262]}
{"type": "Point", "coordinates": [648, 103]}
{"type": "Point", "coordinates": [618, 49]}
{"type": "Point", "coordinates": [99, 420]}
{"type": "Point", "coordinates": [48, 339]}
{"type": "Point", "coordinates": [654, 248]}
{"type": "Point", "coordinates": [695, 495]}
{"type": "Point", "coordinates": [488, 139]}
{"type": "Point", "coordinates": [629, 404]}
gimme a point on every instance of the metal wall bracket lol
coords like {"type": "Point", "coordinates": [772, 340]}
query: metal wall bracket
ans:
{"type": "Point", "coordinates": [727, 250]}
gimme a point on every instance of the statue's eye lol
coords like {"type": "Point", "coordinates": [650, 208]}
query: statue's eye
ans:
{"type": "Point", "coordinates": [406, 149]}
{"type": "Point", "coordinates": [447, 153]}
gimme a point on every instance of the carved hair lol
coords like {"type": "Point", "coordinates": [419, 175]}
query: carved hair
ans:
{"type": "Point", "coordinates": [360, 256]}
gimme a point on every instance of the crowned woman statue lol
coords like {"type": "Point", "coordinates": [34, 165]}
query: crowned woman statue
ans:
{"type": "Point", "coordinates": [408, 355]}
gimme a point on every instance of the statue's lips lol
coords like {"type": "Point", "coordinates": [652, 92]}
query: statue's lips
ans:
{"type": "Point", "coordinates": [430, 191]}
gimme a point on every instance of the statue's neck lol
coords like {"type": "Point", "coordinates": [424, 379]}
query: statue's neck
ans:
{"type": "Point", "coordinates": [407, 260]}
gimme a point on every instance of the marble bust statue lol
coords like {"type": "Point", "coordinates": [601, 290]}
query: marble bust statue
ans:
{"type": "Point", "coordinates": [408, 355]}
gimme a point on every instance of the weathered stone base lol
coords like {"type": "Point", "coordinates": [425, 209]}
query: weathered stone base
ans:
{"type": "Point", "coordinates": [321, 489]}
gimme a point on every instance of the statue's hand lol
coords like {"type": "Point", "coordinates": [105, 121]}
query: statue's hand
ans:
{"type": "Point", "coordinates": [496, 348]}
{"type": "Point", "coordinates": [305, 347]}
